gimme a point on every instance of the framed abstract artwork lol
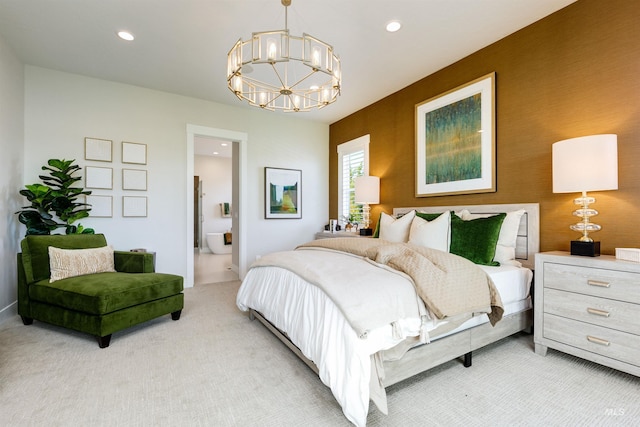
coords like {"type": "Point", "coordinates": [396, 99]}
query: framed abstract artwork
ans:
{"type": "Point", "coordinates": [455, 141]}
{"type": "Point", "coordinates": [282, 193]}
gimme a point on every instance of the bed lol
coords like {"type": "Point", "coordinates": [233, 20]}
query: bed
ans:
{"type": "Point", "coordinates": [302, 297]}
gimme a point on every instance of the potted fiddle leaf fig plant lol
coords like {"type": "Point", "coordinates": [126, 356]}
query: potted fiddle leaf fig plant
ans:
{"type": "Point", "coordinates": [54, 200]}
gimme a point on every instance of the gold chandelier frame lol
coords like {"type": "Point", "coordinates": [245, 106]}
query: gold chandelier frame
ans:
{"type": "Point", "coordinates": [275, 70]}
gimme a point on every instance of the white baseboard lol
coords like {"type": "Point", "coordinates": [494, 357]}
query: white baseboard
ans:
{"type": "Point", "coordinates": [9, 311]}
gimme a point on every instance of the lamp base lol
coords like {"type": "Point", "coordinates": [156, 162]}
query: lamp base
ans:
{"type": "Point", "coordinates": [585, 248]}
{"type": "Point", "coordinates": [366, 232]}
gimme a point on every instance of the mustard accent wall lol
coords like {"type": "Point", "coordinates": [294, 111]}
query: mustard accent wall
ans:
{"type": "Point", "coordinates": [573, 73]}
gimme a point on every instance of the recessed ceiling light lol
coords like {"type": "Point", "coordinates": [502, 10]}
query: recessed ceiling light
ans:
{"type": "Point", "coordinates": [125, 35]}
{"type": "Point", "coordinates": [393, 26]}
{"type": "Point", "coordinates": [215, 153]}
{"type": "Point", "coordinates": [224, 144]}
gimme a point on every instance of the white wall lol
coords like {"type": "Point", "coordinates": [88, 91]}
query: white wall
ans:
{"type": "Point", "coordinates": [62, 109]}
{"type": "Point", "coordinates": [215, 175]}
{"type": "Point", "coordinates": [11, 147]}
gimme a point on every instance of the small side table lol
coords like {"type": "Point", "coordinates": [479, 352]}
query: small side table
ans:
{"type": "Point", "coordinates": [329, 235]}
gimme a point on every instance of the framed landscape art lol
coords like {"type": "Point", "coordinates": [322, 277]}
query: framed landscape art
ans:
{"type": "Point", "coordinates": [282, 193]}
{"type": "Point", "coordinates": [455, 141]}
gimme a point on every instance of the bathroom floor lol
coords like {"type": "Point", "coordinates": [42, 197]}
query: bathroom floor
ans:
{"type": "Point", "coordinates": [212, 268]}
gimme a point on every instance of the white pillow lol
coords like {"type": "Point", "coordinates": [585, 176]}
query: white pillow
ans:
{"type": "Point", "coordinates": [506, 247]}
{"type": "Point", "coordinates": [65, 263]}
{"type": "Point", "coordinates": [432, 234]}
{"type": "Point", "coordinates": [396, 230]}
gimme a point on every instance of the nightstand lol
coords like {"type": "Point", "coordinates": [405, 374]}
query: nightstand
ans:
{"type": "Point", "coordinates": [328, 235]}
{"type": "Point", "coordinates": [588, 307]}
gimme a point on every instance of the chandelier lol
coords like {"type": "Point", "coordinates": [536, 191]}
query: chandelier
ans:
{"type": "Point", "coordinates": [275, 70]}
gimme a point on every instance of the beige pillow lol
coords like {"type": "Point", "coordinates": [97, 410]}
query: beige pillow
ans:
{"type": "Point", "coordinates": [65, 263]}
{"type": "Point", "coordinates": [396, 230]}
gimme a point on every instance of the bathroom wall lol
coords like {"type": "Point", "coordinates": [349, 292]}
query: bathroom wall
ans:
{"type": "Point", "coordinates": [215, 175]}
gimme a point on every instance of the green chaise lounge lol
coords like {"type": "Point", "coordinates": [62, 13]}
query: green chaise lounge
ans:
{"type": "Point", "coordinates": [98, 303]}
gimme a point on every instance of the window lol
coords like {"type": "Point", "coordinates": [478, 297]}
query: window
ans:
{"type": "Point", "coordinates": [353, 161]}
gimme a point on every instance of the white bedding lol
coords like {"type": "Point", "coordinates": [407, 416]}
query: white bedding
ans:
{"type": "Point", "coordinates": [312, 321]}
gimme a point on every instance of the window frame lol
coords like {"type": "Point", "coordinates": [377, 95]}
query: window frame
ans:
{"type": "Point", "coordinates": [348, 148]}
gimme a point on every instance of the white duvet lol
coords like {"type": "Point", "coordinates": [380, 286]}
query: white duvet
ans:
{"type": "Point", "coordinates": [319, 329]}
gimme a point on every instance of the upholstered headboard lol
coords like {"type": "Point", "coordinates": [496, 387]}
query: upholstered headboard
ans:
{"type": "Point", "coordinates": [528, 242]}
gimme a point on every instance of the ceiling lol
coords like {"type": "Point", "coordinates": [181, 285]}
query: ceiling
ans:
{"type": "Point", "coordinates": [181, 45]}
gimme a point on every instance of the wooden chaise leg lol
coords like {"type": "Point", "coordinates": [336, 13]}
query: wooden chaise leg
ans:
{"type": "Point", "coordinates": [467, 360]}
{"type": "Point", "coordinates": [103, 342]}
{"type": "Point", "coordinates": [27, 320]}
{"type": "Point", "coordinates": [176, 315]}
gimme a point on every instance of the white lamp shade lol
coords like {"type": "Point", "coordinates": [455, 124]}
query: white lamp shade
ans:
{"type": "Point", "coordinates": [367, 189]}
{"type": "Point", "coordinates": [588, 163]}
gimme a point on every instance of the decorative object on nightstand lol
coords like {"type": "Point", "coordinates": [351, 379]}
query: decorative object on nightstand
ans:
{"type": "Point", "coordinates": [367, 192]}
{"type": "Point", "coordinates": [588, 307]}
{"type": "Point", "coordinates": [588, 163]}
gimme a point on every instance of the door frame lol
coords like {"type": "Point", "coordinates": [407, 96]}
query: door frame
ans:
{"type": "Point", "coordinates": [238, 220]}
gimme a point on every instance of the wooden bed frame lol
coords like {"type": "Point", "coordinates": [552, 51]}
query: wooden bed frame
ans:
{"type": "Point", "coordinates": [439, 351]}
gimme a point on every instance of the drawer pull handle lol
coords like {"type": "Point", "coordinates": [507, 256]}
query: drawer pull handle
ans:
{"type": "Point", "coordinates": [598, 283]}
{"type": "Point", "coordinates": [598, 340]}
{"type": "Point", "coordinates": [597, 312]}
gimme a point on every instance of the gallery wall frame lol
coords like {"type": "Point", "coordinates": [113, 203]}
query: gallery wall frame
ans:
{"type": "Point", "coordinates": [134, 153]}
{"type": "Point", "coordinates": [134, 206]}
{"type": "Point", "coordinates": [101, 206]}
{"type": "Point", "coordinates": [282, 193]}
{"type": "Point", "coordinates": [134, 179]}
{"type": "Point", "coordinates": [456, 142]}
{"type": "Point", "coordinates": [98, 149]}
{"type": "Point", "coordinates": [98, 177]}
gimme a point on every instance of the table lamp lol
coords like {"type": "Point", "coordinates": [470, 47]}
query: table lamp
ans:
{"type": "Point", "coordinates": [588, 163]}
{"type": "Point", "coordinates": [367, 192]}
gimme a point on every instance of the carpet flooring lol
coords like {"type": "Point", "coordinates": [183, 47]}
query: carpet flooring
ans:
{"type": "Point", "coordinates": [215, 367]}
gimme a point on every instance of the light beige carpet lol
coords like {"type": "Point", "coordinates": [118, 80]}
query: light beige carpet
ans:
{"type": "Point", "coordinates": [214, 367]}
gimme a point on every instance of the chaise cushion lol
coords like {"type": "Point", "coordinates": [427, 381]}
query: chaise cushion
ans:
{"type": "Point", "coordinates": [103, 293]}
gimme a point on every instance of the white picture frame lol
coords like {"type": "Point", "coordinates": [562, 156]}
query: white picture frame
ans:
{"type": "Point", "coordinates": [100, 150]}
{"type": "Point", "coordinates": [134, 179]}
{"type": "Point", "coordinates": [101, 206]}
{"type": "Point", "coordinates": [98, 177]}
{"type": "Point", "coordinates": [134, 206]}
{"type": "Point", "coordinates": [134, 153]}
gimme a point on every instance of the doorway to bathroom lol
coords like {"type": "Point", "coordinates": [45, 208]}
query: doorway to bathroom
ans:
{"type": "Point", "coordinates": [212, 196]}
{"type": "Point", "coordinates": [238, 142]}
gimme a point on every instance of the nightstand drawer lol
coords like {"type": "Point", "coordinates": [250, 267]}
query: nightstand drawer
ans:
{"type": "Point", "coordinates": [604, 312]}
{"type": "Point", "coordinates": [618, 285]}
{"type": "Point", "coordinates": [595, 339]}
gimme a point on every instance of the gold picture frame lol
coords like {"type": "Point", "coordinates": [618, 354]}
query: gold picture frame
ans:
{"type": "Point", "coordinates": [455, 141]}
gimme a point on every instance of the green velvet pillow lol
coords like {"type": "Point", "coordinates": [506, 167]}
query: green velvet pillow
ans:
{"type": "Point", "coordinates": [476, 239]}
{"type": "Point", "coordinates": [376, 232]}
{"type": "Point", "coordinates": [428, 216]}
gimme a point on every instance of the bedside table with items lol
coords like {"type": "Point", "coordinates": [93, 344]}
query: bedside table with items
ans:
{"type": "Point", "coordinates": [329, 235]}
{"type": "Point", "coordinates": [588, 307]}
